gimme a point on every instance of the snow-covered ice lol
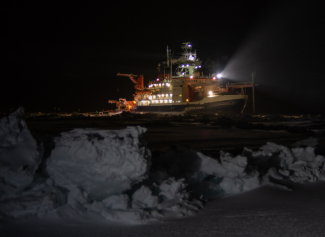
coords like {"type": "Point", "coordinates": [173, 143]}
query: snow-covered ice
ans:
{"type": "Point", "coordinates": [110, 174]}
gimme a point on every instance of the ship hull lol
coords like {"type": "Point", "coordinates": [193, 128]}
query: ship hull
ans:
{"type": "Point", "coordinates": [219, 106]}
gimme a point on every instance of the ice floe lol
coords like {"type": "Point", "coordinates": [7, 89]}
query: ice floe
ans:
{"type": "Point", "coordinates": [110, 174]}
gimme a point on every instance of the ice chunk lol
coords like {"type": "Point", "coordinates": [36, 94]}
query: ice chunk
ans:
{"type": "Point", "coordinates": [143, 198]}
{"type": "Point", "coordinates": [101, 162]}
{"type": "Point", "coordinates": [171, 188]}
{"type": "Point", "coordinates": [229, 167]}
{"type": "Point", "coordinates": [117, 202]}
{"type": "Point", "coordinates": [230, 185]}
{"type": "Point", "coordinates": [274, 174]}
{"type": "Point", "coordinates": [251, 182]}
{"type": "Point", "coordinates": [305, 154]}
{"type": "Point", "coordinates": [20, 155]}
{"type": "Point", "coordinates": [38, 200]}
{"type": "Point", "coordinates": [234, 166]}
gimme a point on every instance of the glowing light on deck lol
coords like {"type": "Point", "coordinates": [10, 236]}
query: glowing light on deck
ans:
{"type": "Point", "coordinates": [210, 93]}
{"type": "Point", "coordinates": [219, 75]}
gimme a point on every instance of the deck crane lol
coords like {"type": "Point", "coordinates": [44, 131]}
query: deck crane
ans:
{"type": "Point", "coordinates": [138, 82]}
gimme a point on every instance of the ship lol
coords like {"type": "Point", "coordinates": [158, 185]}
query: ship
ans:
{"type": "Point", "coordinates": [185, 89]}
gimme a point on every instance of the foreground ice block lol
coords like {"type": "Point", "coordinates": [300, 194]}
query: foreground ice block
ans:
{"type": "Point", "coordinates": [20, 155]}
{"type": "Point", "coordinates": [101, 162]}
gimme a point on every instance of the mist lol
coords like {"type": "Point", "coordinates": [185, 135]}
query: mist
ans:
{"type": "Point", "coordinates": [286, 52]}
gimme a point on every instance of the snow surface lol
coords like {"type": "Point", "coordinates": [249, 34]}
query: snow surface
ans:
{"type": "Point", "coordinates": [107, 174]}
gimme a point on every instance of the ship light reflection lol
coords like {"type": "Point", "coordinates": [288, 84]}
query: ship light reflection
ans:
{"type": "Point", "coordinates": [210, 94]}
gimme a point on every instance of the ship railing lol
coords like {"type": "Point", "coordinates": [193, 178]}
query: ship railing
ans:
{"type": "Point", "coordinates": [241, 83]}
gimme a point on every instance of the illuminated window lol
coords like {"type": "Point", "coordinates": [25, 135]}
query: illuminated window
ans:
{"type": "Point", "coordinates": [166, 95]}
{"type": "Point", "coordinates": [161, 101]}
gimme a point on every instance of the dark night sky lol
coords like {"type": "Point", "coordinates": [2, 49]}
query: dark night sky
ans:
{"type": "Point", "coordinates": [67, 55]}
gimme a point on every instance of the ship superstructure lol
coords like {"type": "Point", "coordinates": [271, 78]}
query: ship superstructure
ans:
{"type": "Point", "coordinates": [186, 88]}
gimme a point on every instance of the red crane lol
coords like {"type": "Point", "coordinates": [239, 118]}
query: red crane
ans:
{"type": "Point", "coordinates": [138, 82]}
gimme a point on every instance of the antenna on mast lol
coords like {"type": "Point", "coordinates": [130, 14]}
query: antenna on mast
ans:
{"type": "Point", "coordinates": [167, 56]}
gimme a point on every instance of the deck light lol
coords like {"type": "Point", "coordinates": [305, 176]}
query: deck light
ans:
{"type": "Point", "coordinates": [219, 75]}
{"type": "Point", "coordinates": [210, 92]}
{"type": "Point", "coordinates": [214, 78]}
{"type": "Point", "coordinates": [200, 66]}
